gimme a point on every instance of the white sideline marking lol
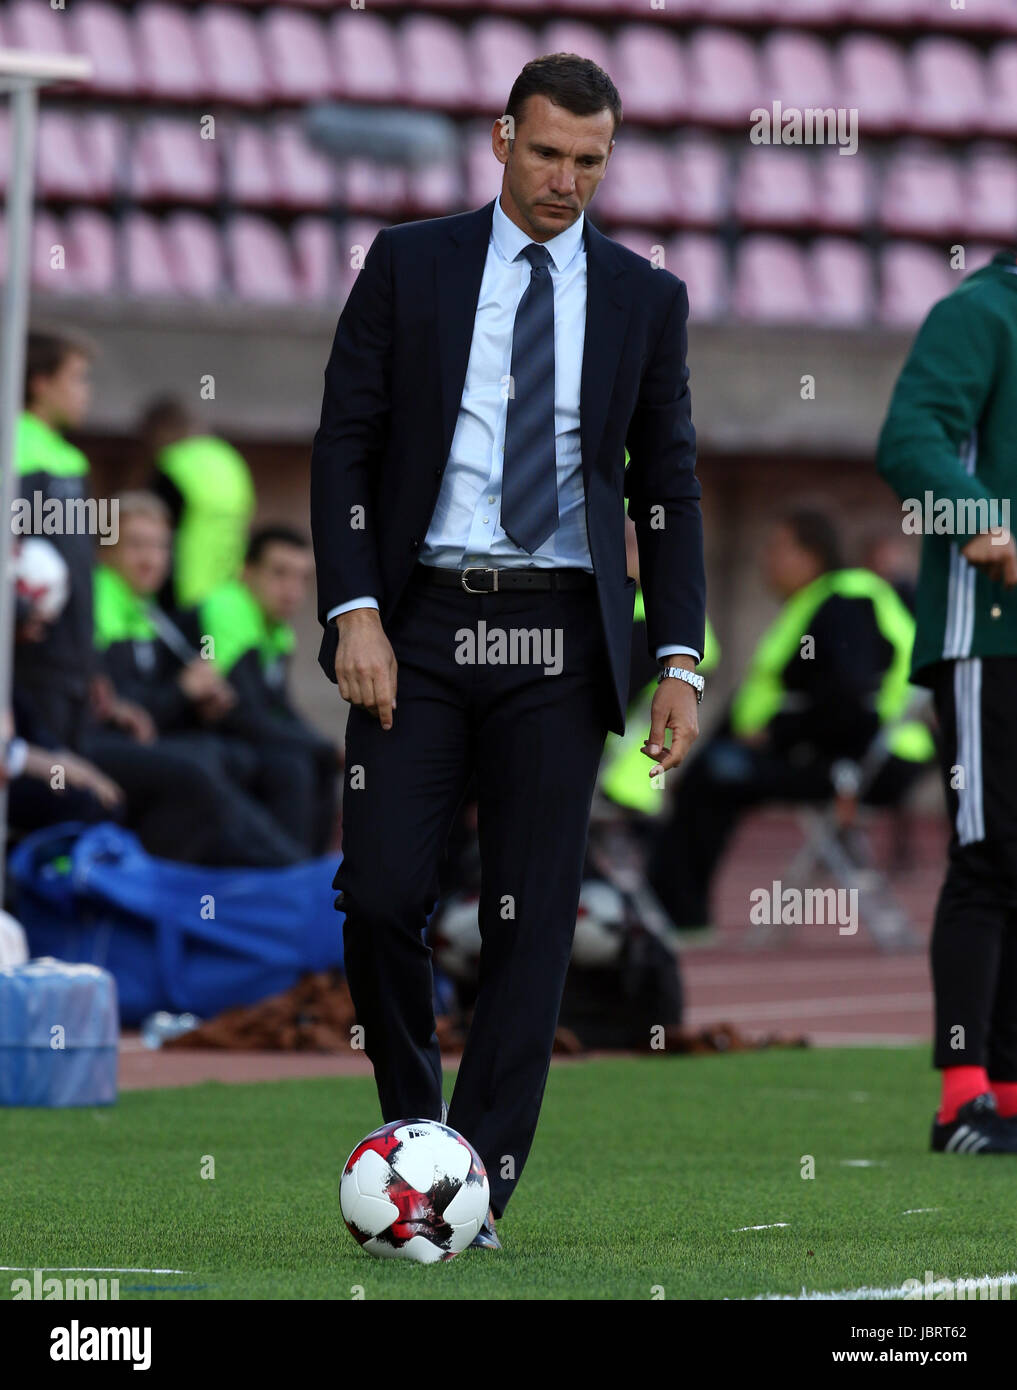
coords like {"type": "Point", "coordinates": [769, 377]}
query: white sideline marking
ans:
{"type": "Point", "coordinates": [86, 1269]}
{"type": "Point", "coordinates": [897, 1292]}
{"type": "Point", "coordinates": [771, 1227]}
{"type": "Point", "coordinates": [913, 1211]}
{"type": "Point", "coordinates": [863, 1163]}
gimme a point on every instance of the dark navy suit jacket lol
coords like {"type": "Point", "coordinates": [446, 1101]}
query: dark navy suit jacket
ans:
{"type": "Point", "coordinates": [393, 385]}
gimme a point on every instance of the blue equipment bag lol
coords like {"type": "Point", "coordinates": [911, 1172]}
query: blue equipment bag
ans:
{"type": "Point", "coordinates": [179, 937]}
{"type": "Point", "coordinates": [58, 1034]}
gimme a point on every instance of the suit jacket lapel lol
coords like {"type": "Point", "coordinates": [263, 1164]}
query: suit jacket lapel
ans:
{"type": "Point", "coordinates": [606, 315]}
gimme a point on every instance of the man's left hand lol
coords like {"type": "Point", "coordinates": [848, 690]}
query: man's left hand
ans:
{"type": "Point", "coordinates": [674, 707]}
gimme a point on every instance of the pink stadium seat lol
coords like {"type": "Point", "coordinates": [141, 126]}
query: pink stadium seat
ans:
{"type": "Point", "coordinates": [306, 177]}
{"type": "Point", "coordinates": [912, 278]}
{"type": "Point", "coordinates": [483, 172]}
{"type": "Point", "coordinates": [770, 281]}
{"type": "Point", "coordinates": [844, 191]}
{"type": "Point", "coordinates": [248, 164]}
{"type": "Point", "coordinates": [91, 252]}
{"type": "Point", "coordinates": [1001, 99]}
{"type": "Point", "coordinates": [169, 62]}
{"type": "Point", "coordinates": [102, 32]}
{"type": "Point", "coordinates": [998, 15]}
{"type": "Point", "coordinates": [195, 254]}
{"type": "Point", "coordinates": [643, 242]}
{"type": "Point", "coordinates": [145, 257]}
{"type": "Point", "coordinates": [843, 289]}
{"type": "Point", "coordinates": [102, 143]}
{"type": "Point", "coordinates": [948, 82]}
{"type": "Point", "coordinates": [873, 80]}
{"type": "Point", "coordinates": [889, 12]}
{"type": "Point", "coordinates": [724, 79]}
{"type": "Point", "coordinates": [228, 41]}
{"type": "Point", "coordinates": [260, 260]}
{"type": "Point", "coordinates": [921, 193]}
{"type": "Point", "coordinates": [27, 24]}
{"type": "Point", "coordinates": [774, 187]}
{"type": "Point", "coordinates": [798, 70]}
{"type": "Point", "coordinates": [572, 36]}
{"type": "Point", "coordinates": [297, 56]}
{"type": "Point", "coordinates": [434, 190]}
{"type": "Point", "coordinates": [170, 161]}
{"type": "Point", "coordinates": [436, 68]}
{"type": "Point", "coordinates": [314, 257]}
{"type": "Point", "coordinates": [702, 180]}
{"type": "Point", "coordinates": [701, 261]}
{"type": "Point", "coordinates": [48, 233]}
{"type": "Point", "coordinates": [354, 242]}
{"type": "Point", "coordinates": [649, 74]}
{"type": "Point", "coordinates": [814, 12]}
{"type": "Point", "coordinates": [990, 192]}
{"type": "Point", "coordinates": [639, 187]}
{"type": "Point", "coordinates": [498, 48]}
{"type": "Point", "coordinates": [739, 11]}
{"type": "Point", "coordinates": [373, 188]}
{"type": "Point", "coordinates": [62, 169]}
{"type": "Point", "coordinates": [365, 58]}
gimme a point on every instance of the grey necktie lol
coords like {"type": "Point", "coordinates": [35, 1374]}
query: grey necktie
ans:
{"type": "Point", "coordinates": [529, 507]}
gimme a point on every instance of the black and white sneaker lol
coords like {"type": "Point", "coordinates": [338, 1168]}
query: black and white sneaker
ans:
{"type": "Point", "coordinates": [978, 1129]}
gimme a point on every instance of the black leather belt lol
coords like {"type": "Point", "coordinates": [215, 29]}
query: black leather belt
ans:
{"type": "Point", "coordinates": [486, 580]}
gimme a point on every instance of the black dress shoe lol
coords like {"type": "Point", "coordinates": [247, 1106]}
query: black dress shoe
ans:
{"type": "Point", "coordinates": [978, 1129]}
{"type": "Point", "coordinates": [486, 1239]}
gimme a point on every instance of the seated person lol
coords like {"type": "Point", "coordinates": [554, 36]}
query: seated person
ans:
{"type": "Point", "coordinates": [828, 673]}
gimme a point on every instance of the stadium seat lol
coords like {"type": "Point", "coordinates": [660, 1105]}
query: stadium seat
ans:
{"type": "Point", "coordinates": [639, 187]}
{"type": "Point", "coordinates": [702, 180]}
{"type": "Point", "coordinates": [434, 190]}
{"type": "Point", "coordinates": [948, 83]}
{"type": "Point", "coordinates": [774, 187]}
{"type": "Point", "coordinates": [997, 15]}
{"type": "Point", "coordinates": [1001, 100]}
{"type": "Point", "coordinates": [894, 13]}
{"type": "Point", "coordinates": [912, 277]}
{"type": "Point", "coordinates": [298, 60]}
{"type": "Point", "coordinates": [228, 41]}
{"type": "Point", "coordinates": [921, 193]}
{"type": "Point", "coordinates": [47, 233]}
{"type": "Point", "coordinates": [102, 141]}
{"type": "Point", "coordinates": [354, 241]}
{"type": "Point", "coordinates": [249, 166]}
{"type": "Point", "coordinates": [365, 58]}
{"type": "Point", "coordinates": [260, 260]}
{"type": "Point", "coordinates": [169, 61]}
{"type": "Point", "coordinates": [573, 36]}
{"type": "Point", "coordinates": [194, 251]}
{"type": "Point", "coordinates": [483, 172]}
{"type": "Point", "coordinates": [771, 283]}
{"type": "Point", "coordinates": [27, 24]}
{"type": "Point", "coordinates": [102, 32]}
{"type": "Point", "coordinates": [813, 12]}
{"type": "Point", "coordinates": [314, 257]}
{"type": "Point", "coordinates": [844, 192]}
{"type": "Point", "coordinates": [147, 263]}
{"type": "Point", "coordinates": [740, 11]}
{"type": "Point", "coordinates": [62, 167]}
{"type": "Point", "coordinates": [701, 261]}
{"type": "Point", "coordinates": [435, 64]}
{"type": "Point", "coordinates": [92, 261]}
{"type": "Point", "coordinates": [649, 73]}
{"type": "Point", "coordinates": [169, 161]}
{"type": "Point", "coordinates": [306, 177]}
{"type": "Point", "coordinates": [873, 80]}
{"type": "Point", "coordinates": [724, 78]}
{"type": "Point", "coordinates": [842, 281]}
{"type": "Point", "coordinates": [798, 70]}
{"type": "Point", "coordinates": [990, 192]}
{"type": "Point", "coordinates": [372, 188]}
{"type": "Point", "coordinates": [498, 48]}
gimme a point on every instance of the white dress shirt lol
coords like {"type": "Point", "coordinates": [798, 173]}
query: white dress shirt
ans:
{"type": "Point", "coordinates": [465, 527]}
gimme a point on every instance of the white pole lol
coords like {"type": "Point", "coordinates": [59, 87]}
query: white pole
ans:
{"type": "Point", "coordinates": [24, 105]}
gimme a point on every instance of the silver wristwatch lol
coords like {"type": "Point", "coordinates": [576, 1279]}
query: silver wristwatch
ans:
{"type": "Point", "coordinates": [679, 673]}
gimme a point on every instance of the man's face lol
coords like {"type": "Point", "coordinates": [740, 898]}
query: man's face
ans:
{"type": "Point", "coordinates": [787, 565]}
{"type": "Point", "coordinates": [63, 398]}
{"type": "Point", "coordinates": [553, 166]}
{"type": "Point", "coordinates": [279, 580]}
{"type": "Point", "coordinates": [143, 553]}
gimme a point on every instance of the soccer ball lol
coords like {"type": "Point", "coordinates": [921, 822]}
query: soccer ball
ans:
{"type": "Point", "coordinates": [414, 1190]}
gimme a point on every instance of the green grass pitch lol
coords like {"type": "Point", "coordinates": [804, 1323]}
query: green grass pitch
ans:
{"type": "Point", "coordinates": [641, 1173]}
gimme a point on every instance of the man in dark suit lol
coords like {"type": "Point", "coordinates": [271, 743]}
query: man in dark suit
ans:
{"type": "Point", "coordinates": [467, 502]}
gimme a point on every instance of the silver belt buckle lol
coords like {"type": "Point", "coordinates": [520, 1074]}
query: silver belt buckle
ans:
{"type": "Point", "coordinates": [480, 569]}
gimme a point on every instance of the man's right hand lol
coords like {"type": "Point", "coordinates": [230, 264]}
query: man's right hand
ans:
{"type": "Point", "coordinates": [365, 664]}
{"type": "Point", "coordinates": [994, 553]}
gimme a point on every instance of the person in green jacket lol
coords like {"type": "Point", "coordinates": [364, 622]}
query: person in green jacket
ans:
{"type": "Point", "coordinates": [948, 448]}
{"type": "Point", "coordinates": [827, 676]}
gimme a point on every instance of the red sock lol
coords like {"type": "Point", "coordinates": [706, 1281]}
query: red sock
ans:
{"type": "Point", "coordinates": [1006, 1096]}
{"type": "Point", "coordinates": [960, 1084]}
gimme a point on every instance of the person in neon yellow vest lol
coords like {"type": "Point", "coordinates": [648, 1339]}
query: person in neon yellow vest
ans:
{"type": "Point", "coordinates": [828, 673]}
{"type": "Point", "coordinates": [208, 488]}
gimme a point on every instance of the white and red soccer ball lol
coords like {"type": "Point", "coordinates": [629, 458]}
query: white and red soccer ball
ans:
{"type": "Point", "coordinates": [414, 1190]}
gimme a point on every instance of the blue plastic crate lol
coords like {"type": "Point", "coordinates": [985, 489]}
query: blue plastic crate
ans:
{"type": "Point", "coordinates": [58, 1034]}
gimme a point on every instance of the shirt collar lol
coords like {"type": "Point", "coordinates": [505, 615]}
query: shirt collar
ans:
{"type": "Point", "coordinates": [510, 239]}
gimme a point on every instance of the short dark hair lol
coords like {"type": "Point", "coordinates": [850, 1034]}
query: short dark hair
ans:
{"type": "Point", "coordinates": [265, 536]}
{"type": "Point", "coordinates": [165, 414]}
{"type": "Point", "coordinates": [576, 84]}
{"type": "Point", "coordinates": [816, 532]}
{"type": "Point", "coordinates": [46, 351]}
